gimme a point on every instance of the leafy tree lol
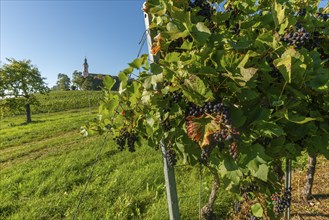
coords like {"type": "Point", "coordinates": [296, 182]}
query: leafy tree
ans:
{"type": "Point", "coordinates": [77, 79]}
{"type": "Point", "coordinates": [63, 82]}
{"type": "Point", "coordinates": [19, 79]}
{"type": "Point", "coordinates": [54, 88]}
{"type": "Point", "coordinates": [87, 83]}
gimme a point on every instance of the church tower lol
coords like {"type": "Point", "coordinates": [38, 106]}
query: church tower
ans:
{"type": "Point", "coordinates": [85, 68]}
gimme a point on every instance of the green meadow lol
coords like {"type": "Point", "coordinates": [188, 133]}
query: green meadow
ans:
{"type": "Point", "coordinates": [45, 166]}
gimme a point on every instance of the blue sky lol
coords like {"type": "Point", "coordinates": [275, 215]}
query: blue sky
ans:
{"type": "Point", "coordinates": [56, 35]}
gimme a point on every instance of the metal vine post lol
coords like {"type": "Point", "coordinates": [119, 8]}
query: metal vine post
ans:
{"type": "Point", "coordinates": [169, 173]}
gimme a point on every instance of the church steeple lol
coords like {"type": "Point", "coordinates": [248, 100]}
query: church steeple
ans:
{"type": "Point", "coordinates": [85, 68]}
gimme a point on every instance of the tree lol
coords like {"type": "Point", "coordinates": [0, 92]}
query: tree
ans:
{"type": "Point", "coordinates": [63, 82]}
{"type": "Point", "coordinates": [19, 79]}
{"type": "Point", "coordinates": [77, 79]}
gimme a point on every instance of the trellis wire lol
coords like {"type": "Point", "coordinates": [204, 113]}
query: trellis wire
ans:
{"type": "Point", "coordinates": [89, 177]}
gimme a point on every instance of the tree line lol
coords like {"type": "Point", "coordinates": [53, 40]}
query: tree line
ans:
{"type": "Point", "coordinates": [78, 82]}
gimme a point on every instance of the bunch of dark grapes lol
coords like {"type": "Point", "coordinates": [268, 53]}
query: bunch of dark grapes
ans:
{"type": "Point", "coordinates": [205, 153]}
{"type": "Point", "coordinates": [171, 156]}
{"type": "Point", "coordinates": [172, 97]}
{"type": "Point", "coordinates": [223, 119]}
{"type": "Point", "coordinates": [237, 206]}
{"type": "Point", "coordinates": [301, 12]}
{"type": "Point", "coordinates": [128, 138]}
{"type": "Point", "coordinates": [131, 139]}
{"type": "Point", "coordinates": [281, 201]}
{"type": "Point", "coordinates": [206, 10]}
{"type": "Point", "coordinates": [323, 17]}
{"type": "Point", "coordinates": [246, 190]}
{"type": "Point", "coordinates": [297, 38]}
{"type": "Point", "coordinates": [121, 139]}
{"type": "Point", "coordinates": [233, 149]}
{"type": "Point", "coordinates": [207, 108]}
{"type": "Point", "coordinates": [166, 125]}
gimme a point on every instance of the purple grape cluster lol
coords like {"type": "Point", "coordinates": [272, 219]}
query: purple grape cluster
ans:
{"type": "Point", "coordinates": [281, 201]}
{"type": "Point", "coordinates": [172, 97]}
{"type": "Point", "coordinates": [301, 12]}
{"type": "Point", "coordinates": [166, 125]}
{"type": "Point", "coordinates": [237, 206]}
{"type": "Point", "coordinates": [208, 108]}
{"type": "Point", "coordinates": [323, 17]}
{"type": "Point", "coordinates": [126, 138]}
{"type": "Point", "coordinates": [297, 38]}
{"type": "Point", "coordinates": [206, 10]}
{"type": "Point", "coordinates": [246, 190]}
{"type": "Point", "coordinates": [205, 153]}
{"type": "Point", "coordinates": [171, 156]}
{"type": "Point", "coordinates": [226, 133]}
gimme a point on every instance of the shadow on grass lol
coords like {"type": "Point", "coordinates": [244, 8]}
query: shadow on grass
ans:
{"type": "Point", "coordinates": [33, 122]}
{"type": "Point", "coordinates": [312, 215]}
{"type": "Point", "coordinates": [320, 196]}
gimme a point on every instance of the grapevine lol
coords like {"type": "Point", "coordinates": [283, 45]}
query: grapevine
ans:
{"type": "Point", "coordinates": [237, 89]}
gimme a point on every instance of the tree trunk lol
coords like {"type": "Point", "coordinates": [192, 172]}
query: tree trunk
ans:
{"type": "Point", "coordinates": [28, 113]}
{"type": "Point", "coordinates": [207, 210]}
{"type": "Point", "coordinates": [309, 177]}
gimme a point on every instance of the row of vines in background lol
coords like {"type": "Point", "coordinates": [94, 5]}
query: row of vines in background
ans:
{"type": "Point", "coordinates": [55, 101]}
{"type": "Point", "coordinates": [239, 86]}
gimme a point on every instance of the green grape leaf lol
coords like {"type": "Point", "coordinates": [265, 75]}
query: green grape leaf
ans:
{"type": "Point", "coordinates": [284, 65]}
{"type": "Point", "coordinates": [196, 91]}
{"type": "Point", "coordinates": [228, 169]}
{"type": "Point", "coordinates": [262, 172]}
{"type": "Point", "coordinates": [278, 12]}
{"type": "Point", "coordinates": [257, 210]}
{"type": "Point", "coordinates": [176, 29]}
{"type": "Point", "coordinates": [108, 82]}
{"type": "Point", "coordinates": [187, 45]}
{"type": "Point", "coordinates": [108, 108]}
{"type": "Point", "coordinates": [138, 62]}
{"type": "Point", "coordinates": [134, 93]}
{"type": "Point", "coordinates": [298, 119]}
{"type": "Point", "coordinates": [172, 57]}
{"type": "Point", "coordinates": [200, 33]}
{"type": "Point", "coordinates": [237, 117]}
{"type": "Point", "coordinates": [268, 129]}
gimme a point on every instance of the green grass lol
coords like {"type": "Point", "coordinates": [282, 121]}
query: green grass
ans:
{"type": "Point", "coordinates": [44, 167]}
{"type": "Point", "coordinates": [57, 101]}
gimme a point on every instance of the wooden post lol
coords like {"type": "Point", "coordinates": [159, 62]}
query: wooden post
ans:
{"type": "Point", "coordinates": [169, 172]}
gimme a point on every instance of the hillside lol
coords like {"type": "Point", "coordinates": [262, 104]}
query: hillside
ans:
{"type": "Point", "coordinates": [45, 165]}
{"type": "Point", "coordinates": [56, 101]}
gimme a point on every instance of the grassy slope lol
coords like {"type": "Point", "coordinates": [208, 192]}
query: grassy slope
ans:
{"type": "Point", "coordinates": [57, 101]}
{"type": "Point", "coordinates": [45, 165]}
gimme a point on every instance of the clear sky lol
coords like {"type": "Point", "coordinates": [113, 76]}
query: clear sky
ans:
{"type": "Point", "coordinates": [56, 35]}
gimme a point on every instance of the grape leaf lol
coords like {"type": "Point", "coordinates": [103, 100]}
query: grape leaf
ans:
{"type": "Point", "coordinates": [196, 91]}
{"type": "Point", "coordinates": [257, 210]}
